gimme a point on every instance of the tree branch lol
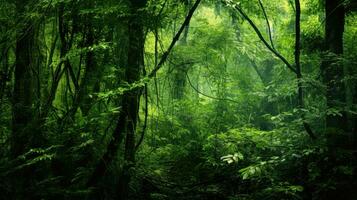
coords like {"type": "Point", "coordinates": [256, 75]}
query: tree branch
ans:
{"type": "Point", "coordinates": [211, 97]}
{"type": "Point", "coordinates": [268, 24]}
{"type": "Point", "coordinates": [261, 37]}
{"type": "Point", "coordinates": [175, 39]}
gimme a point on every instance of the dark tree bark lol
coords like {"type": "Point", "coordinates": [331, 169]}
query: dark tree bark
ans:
{"type": "Point", "coordinates": [337, 133]}
{"type": "Point", "coordinates": [332, 68]}
{"type": "Point", "coordinates": [131, 100]}
{"type": "Point", "coordinates": [23, 85]}
{"type": "Point", "coordinates": [89, 78]}
{"type": "Point", "coordinates": [24, 135]}
{"type": "Point", "coordinates": [301, 103]}
{"type": "Point", "coordinates": [127, 121]}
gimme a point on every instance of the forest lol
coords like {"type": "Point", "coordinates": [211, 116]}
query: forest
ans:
{"type": "Point", "coordinates": [178, 99]}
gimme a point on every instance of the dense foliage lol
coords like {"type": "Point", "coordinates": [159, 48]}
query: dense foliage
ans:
{"type": "Point", "coordinates": [178, 99]}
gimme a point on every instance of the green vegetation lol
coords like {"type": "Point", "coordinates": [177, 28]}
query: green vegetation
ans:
{"type": "Point", "coordinates": [178, 99]}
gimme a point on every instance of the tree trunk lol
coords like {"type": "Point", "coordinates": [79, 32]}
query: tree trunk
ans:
{"type": "Point", "coordinates": [23, 137]}
{"type": "Point", "coordinates": [127, 121]}
{"type": "Point", "coordinates": [338, 138]}
{"type": "Point", "coordinates": [131, 100]}
{"type": "Point", "coordinates": [23, 86]}
{"type": "Point", "coordinates": [332, 68]}
{"type": "Point", "coordinates": [90, 77]}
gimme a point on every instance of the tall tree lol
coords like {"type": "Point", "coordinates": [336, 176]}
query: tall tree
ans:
{"type": "Point", "coordinates": [24, 135]}
{"type": "Point", "coordinates": [23, 100]}
{"type": "Point", "coordinates": [126, 125]}
{"type": "Point", "coordinates": [131, 100]}
{"type": "Point", "coordinates": [332, 67]}
{"type": "Point", "coordinates": [91, 72]}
